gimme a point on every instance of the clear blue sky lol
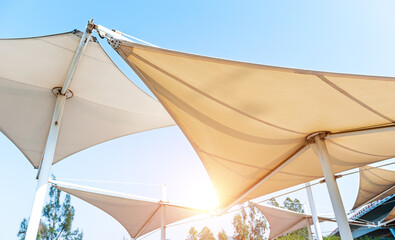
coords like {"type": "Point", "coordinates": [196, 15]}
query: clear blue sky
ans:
{"type": "Point", "coordinates": [338, 36]}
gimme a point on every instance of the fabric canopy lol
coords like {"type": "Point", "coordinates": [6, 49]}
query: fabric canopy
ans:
{"type": "Point", "coordinates": [390, 217]}
{"type": "Point", "coordinates": [374, 183]}
{"type": "Point", "coordinates": [244, 120]}
{"type": "Point", "coordinates": [105, 103]}
{"type": "Point", "coordinates": [138, 215]}
{"type": "Point", "coordinates": [283, 221]}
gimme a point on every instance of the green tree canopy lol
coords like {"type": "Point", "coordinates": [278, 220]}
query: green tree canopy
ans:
{"type": "Point", "coordinates": [249, 224]}
{"type": "Point", "coordinates": [296, 206]}
{"type": "Point", "coordinates": [56, 222]}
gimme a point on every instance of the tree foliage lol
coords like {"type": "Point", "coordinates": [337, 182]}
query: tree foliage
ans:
{"type": "Point", "coordinates": [193, 234]}
{"type": "Point", "coordinates": [241, 228]}
{"type": "Point", "coordinates": [206, 234]}
{"type": "Point", "coordinates": [56, 222]}
{"type": "Point", "coordinates": [222, 235]}
{"type": "Point", "coordinates": [249, 224]}
{"type": "Point", "coordinates": [273, 202]}
{"type": "Point", "coordinates": [296, 206]}
{"type": "Point", "coordinates": [293, 205]}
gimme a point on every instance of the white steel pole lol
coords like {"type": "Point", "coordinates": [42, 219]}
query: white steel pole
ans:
{"type": "Point", "coordinates": [313, 211]}
{"type": "Point", "coordinates": [163, 213]}
{"type": "Point", "coordinates": [309, 230]}
{"type": "Point", "coordinates": [50, 146]}
{"type": "Point", "coordinates": [308, 223]}
{"type": "Point", "coordinates": [163, 222]}
{"type": "Point", "coordinates": [341, 217]}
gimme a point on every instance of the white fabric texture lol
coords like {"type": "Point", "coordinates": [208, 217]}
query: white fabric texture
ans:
{"type": "Point", "coordinates": [374, 184]}
{"type": "Point", "coordinates": [283, 221]}
{"type": "Point", "coordinates": [138, 215]}
{"type": "Point", "coordinates": [105, 103]}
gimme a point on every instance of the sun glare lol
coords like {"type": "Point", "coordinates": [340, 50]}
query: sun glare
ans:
{"type": "Point", "coordinates": [203, 197]}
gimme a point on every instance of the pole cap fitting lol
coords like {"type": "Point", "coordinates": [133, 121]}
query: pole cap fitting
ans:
{"type": "Point", "coordinates": [58, 91]}
{"type": "Point", "coordinates": [321, 134]}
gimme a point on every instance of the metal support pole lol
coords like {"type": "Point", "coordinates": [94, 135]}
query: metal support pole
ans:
{"type": "Point", "coordinates": [341, 217]}
{"type": "Point", "coordinates": [50, 146]}
{"type": "Point", "coordinates": [163, 222]}
{"type": "Point", "coordinates": [313, 211]}
{"type": "Point", "coordinates": [308, 223]}
{"type": "Point", "coordinates": [163, 213]}
{"type": "Point", "coordinates": [309, 230]}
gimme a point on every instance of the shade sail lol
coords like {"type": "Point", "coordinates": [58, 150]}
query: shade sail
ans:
{"type": "Point", "coordinates": [390, 217]}
{"type": "Point", "coordinates": [374, 183]}
{"type": "Point", "coordinates": [138, 215]}
{"type": "Point", "coordinates": [105, 103]}
{"type": "Point", "coordinates": [244, 120]}
{"type": "Point", "coordinates": [283, 221]}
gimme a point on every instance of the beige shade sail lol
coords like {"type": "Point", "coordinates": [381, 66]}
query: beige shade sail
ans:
{"type": "Point", "coordinates": [245, 120]}
{"type": "Point", "coordinates": [390, 217]}
{"type": "Point", "coordinates": [138, 215]}
{"type": "Point", "coordinates": [105, 103]}
{"type": "Point", "coordinates": [284, 221]}
{"type": "Point", "coordinates": [374, 184]}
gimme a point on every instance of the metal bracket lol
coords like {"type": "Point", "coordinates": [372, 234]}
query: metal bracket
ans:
{"type": "Point", "coordinates": [58, 91]}
{"type": "Point", "coordinates": [322, 135]}
{"type": "Point", "coordinates": [115, 44]}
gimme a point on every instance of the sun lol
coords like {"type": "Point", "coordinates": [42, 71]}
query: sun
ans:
{"type": "Point", "coordinates": [203, 197]}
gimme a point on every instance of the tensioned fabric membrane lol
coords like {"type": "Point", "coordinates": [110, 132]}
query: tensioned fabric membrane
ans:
{"type": "Point", "coordinates": [105, 104]}
{"type": "Point", "coordinates": [138, 215]}
{"type": "Point", "coordinates": [244, 120]}
{"type": "Point", "coordinates": [374, 183]}
{"type": "Point", "coordinates": [390, 217]}
{"type": "Point", "coordinates": [283, 221]}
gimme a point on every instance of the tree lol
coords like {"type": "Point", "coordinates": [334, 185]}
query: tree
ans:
{"type": "Point", "coordinates": [273, 202]}
{"type": "Point", "coordinates": [57, 219]}
{"type": "Point", "coordinates": [23, 228]}
{"type": "Point", "coordinates": [222, 235]}
{"type": "Point", "coordinates": [257, 223]}
{"type": "Point", "coordinates": [241, 228]}
{"type": "Point", "coordinates": [249, 224]}
{"type": "Point", "coordinates": [206, 234]}
{"type": "Point", "coordinates": [295, 205]}
{"type": "Point", "coordinates": [193, 234]}
{"type": "Point", "coordinates": [332, 238]}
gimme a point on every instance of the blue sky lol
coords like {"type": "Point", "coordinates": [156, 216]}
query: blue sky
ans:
{"type": "Point", "coordinates": [338, 36]}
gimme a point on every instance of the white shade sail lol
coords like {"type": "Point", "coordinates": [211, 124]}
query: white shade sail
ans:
{"type": "Point", "coordinates": [138, 215]}
{"type": "Point", "coordinates": [105, 103]}
{"type": "Point", "coordinates": [374, 184]}
{"type": "Point", "coordinates": [283, 221]}
{"type": "Point", "coordinates": [246, 120]}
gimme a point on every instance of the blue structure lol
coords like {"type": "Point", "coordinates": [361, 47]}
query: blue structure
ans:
{"type": "Point", "coordinates": [372, 214]}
